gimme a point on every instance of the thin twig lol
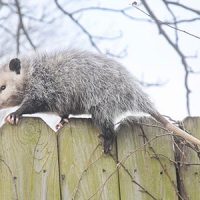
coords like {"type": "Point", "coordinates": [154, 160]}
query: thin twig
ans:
{"type": "Point", "coordinates": [123, 160]}
{"type": "Point", "coordinates": [184, 6]}
{"type": "Point", "coordinates": [176, 48]}
{"type": "Point", "coordinates": [22, 24]}
{"type": "Point", "coordinates": [167, 24]}
{"type": "Point", "coordinates": [90, 37]}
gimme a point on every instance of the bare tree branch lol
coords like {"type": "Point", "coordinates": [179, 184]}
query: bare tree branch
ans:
{"type": "Point", "coordinates": [90, 37]}
{"type": "Point", "coordinates": [168, 24]}
{"type": "Point", "coordinates": [18, 39]}
{"type": "Point", "coordinates": [182, 21]}
{"type": "Point", "coordinates": [103, 9]}
{"type": "Point", "coordinates": [7, 30]}
{"type": "Point", "coordinates": [155, 84]}
{"type": "Point", "coordinates": [174, 21]}
{"type": "Point", "coordinates": [174, 45]}
{"type": "Point", "coordinates": [21, 25]}
{"type": "Point", "coordinates": [88, 34]}
{"type": "Point", "coordinates": [183, 6]}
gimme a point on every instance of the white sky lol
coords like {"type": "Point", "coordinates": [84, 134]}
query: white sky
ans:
{"type": "Point", "coordinates": [149, 56]}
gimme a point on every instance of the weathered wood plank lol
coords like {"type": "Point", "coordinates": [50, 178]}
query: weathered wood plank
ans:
{"type": "Point", "coordinates": [28, 162]}
{"type": "Point", "coordinates": [84, 169]}
{"type": "Point", "coordinates": [190, 162]}
{"type": "Point", "coordinates": [148, 172]}
{"type": "Point", "coordinates": [30, 154]}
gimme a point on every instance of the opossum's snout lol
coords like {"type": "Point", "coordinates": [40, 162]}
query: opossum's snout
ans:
{"type": "Point", "coordinates": [2, 87]}
{"type": "Point", "coordinates": [11, 84]}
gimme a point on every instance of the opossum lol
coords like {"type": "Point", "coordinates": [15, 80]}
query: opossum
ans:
{"type": "Point", "coordinates": [76, 82]}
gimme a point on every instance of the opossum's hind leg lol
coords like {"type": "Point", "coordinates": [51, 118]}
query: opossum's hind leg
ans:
{"type": "Point", "coordinates": [108, 136]}
{"type": "Point", "coordinates": [64, 120]}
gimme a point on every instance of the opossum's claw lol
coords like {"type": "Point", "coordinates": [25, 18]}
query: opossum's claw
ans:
{"type": "Point", "coordinates": [12, 118]}
{"type": "Point", "coordinates": [59, 126]}
{"type": "Point", "coordinates": [107, 146]}
{"type": "Point", "coordinates": [107, 143]}
{"type": "Point", "coordinates": [61, 123]}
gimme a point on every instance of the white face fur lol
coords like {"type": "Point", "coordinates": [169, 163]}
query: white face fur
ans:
{"type": "Point", "coordinates": [11, 86]}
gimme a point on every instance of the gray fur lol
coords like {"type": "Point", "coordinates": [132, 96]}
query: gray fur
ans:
{"type": "Point", "coordinates": [81, 82]}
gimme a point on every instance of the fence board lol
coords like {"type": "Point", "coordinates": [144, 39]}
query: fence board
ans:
{"type": "Point", "coordinates": [84, 169]}
{"type": "Point", "coordinates": [148, 172]}
{"type": "Point", "coordinates": [190, 171]}
{"type": "Point", "coordinates": [28, 162]}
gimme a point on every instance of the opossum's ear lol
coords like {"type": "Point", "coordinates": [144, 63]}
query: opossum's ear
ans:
{"type": "Point", "coordinates": [15, 65]}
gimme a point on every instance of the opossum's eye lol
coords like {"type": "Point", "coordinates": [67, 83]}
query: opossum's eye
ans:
{"type": "Point", "coordinates": [15, 65]}
{"type": "Point", "coordinates": [3, 87]}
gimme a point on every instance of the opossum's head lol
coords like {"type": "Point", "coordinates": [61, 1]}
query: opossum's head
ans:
{"type": "Point", "coordinates": [11, 84]}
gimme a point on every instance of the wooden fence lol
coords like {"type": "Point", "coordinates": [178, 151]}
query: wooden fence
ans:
{"type": "Point", "coordinates": [146, 163]}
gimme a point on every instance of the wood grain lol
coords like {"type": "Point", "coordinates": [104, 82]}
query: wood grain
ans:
{"type": "Point", "coordinates": [84, 169]}
{"type": "Point", "coordinates": [36, 163]}
{"type": "Point", "coordinates": [190, 162]}
{"type": "Point", "coordinates": [29, 163]}
{"type": "Point", "coordinates": [148, 172]}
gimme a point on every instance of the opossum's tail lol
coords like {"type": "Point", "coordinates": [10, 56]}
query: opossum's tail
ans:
{"type": "Point", "coordinates": [177, 131]}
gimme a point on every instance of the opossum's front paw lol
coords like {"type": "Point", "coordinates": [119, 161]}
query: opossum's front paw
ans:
{"type": "Point", "coordinates": [61, 123]}
{"type": "Point", "coordinates": [13, 118]}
